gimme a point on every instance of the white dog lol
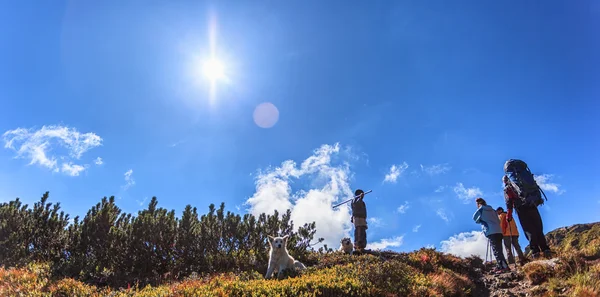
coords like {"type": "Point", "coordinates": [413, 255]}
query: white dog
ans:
{"type": "Point", "coordinates": [279, 258]}
{"type": "Point", "coordinates": [346, 245]}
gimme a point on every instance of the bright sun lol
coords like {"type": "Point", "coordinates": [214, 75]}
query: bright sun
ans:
{"type": "Point", "coordinates": [214, 70]}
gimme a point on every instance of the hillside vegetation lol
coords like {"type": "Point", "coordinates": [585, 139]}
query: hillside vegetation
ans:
{"type": "Point", "coordinates": [110, 253]}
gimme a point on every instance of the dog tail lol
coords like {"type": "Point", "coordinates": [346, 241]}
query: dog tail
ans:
{"type": "Point", "coordinates": [299, 265]}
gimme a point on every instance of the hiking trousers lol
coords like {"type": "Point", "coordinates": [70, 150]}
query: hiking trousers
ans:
{"type": "Point", "coordinates": [509, 242]}
{"type": "Point", "coordinates": [360, 232]}
{"type": "Point", "coordinates": [532, 225]}
{"type": "Point", "coordinates": [496, 243]}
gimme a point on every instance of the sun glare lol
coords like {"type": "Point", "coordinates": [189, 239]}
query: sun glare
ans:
{"type": "Point", "coordinates": [214, 70]}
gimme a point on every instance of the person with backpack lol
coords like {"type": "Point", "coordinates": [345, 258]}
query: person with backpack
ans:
{"type": "Point", "coordinates": [522, 193]}
{"type": "Point", "coordinates": [511, 237]}
{"type": "Point", "coordinates": [487, 217]}
{"type": "Point", "coordinates": [359, 219]}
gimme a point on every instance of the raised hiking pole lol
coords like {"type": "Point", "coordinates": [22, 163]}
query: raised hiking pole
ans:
{"type": "Point", "coordinates": [365, 193]}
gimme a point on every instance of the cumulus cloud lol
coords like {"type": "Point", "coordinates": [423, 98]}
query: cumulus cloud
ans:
{"type": "Point", "coordinates": [416, 228]}
{"type": "Point", "coordinates": [129, 181]}
{"type": "Point", "coordinates": [328, 178]}
{"type": "Point", "coordinates": [544, 182]}
{"type": "Point", "coordinates": [436, 169]}
{"type": "Point", "coordinates": [467, 194]}
{"type": "Point", "coordinates": [395, 172]}
{"type": "Point", "coordinates": [466, 244]}
{"type": "Point", "coordinates": [72, 169]}
{"type": "Point", "coordinates": [42, 146]}
{"type": "Point", "coordinates": [386, 243]}
{"type": "Point", "coordinates": [98, 161]}
{"type": "Point", "coordinates": [443, 215]}
{"type": "Point", "coordinates": [403, 208]}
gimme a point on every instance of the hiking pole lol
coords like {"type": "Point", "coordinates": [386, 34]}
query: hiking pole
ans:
{"type": "Point", "coordinates": [365, 193]}
{"type": "Point", "coordinates": [487, 249]}
{"type": "Point", "coordinates": [512, 246]}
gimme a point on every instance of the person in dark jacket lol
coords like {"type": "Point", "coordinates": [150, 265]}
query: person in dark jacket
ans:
{"type": "Point", "coordinates": [359, 219]}
{"type": "Point", "coordinates": [530, 219]}
{"type": "Point", "coordinates": [487, 217]}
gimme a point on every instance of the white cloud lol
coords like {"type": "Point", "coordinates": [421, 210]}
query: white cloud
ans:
{"type": "Point", "coordinates": [72, 169]}
{"type": "Point", "coordinates": [386, 243]}
{"type": "Point", "coordinates": [430, 246]}
{"type": "Point", "coordinates": [403, 208]}
{"type": "Point", "coordinates": [376, 222]}
{"type": "Point", "coordinates": [467, 194]}
{"type": "Point", "coordinates": [395, 172]}
{"type": "Point", "coordinates": [442, 214]}
{"type": "Point", "coordinates": [544, 182]}
{"type": "Point", "coordinates": [329, 181]}
{"type": "Point", "coordinates": [466, 244]}
{"type": "Point", "coordinates": [38, 146]}
{"type": "Point", "coordinates": [440, 189]}
{"type": "Point", "coordinates": [436, 169]}
{"type": "Point", "coordinates": [416, 228]}
{"type": "Point", "coordinates": [129, 181]}
{"type": "Point", "coordinates": [98, 161]}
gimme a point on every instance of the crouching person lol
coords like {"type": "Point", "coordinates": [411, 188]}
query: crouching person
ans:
{"type": "Point", "coordinates": [487, 217]}
{"type": "Point", "coordinates": [359, 219]}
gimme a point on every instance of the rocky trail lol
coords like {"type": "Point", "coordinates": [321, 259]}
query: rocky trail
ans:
{"type": "Point", "coordinates": [509, 284]}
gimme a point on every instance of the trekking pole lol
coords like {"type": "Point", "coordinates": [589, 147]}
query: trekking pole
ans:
{"type": "Point", "coordinates": [512, 246]}
{"type": "Point", "coordinates": [365, 193]}
{"type": "Point", "coordinates": [487, 249]}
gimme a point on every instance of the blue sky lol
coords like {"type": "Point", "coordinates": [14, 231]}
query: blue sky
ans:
{"type": "Point", "coordinates": [445, 92]}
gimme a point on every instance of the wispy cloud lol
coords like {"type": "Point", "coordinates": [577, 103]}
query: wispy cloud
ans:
{"type": "Point", "coordinates": [98, 161]}
{"type": "Point", "coordinates": [129, 181]}
{"type": "Point", "coordinates": [467, 194]}
{"type": "Point", "coordinates": [395, 172]}
{"type": "Point", "coordinates": [376, 222]}
{"type": "Point", "coordinates": [436, 169]}
{"type": "Point", "coordinates": [416, 228]}
{"type": "Point", "coordinates": [440, 189]}
{"type": "Point", "coordinates": [386, 243]}
{"type": "Point", "coordinates": [38, 146]}
{"type": "Point", "coordinates": [466, 244]}
{"type": "Point", "coordinates": [403, 208]}
{"type": "Point", "coordinates": [141, 203]}
{"type": "Point", "coordinates": [443, 215]}
{"type": "Point", "coordinates": [329, 173]}
{"type": "Point", "coordinates": [544, 182]}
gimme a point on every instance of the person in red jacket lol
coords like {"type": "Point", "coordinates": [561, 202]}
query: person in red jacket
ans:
{"type": "Point", "coordinates": [530, 219]}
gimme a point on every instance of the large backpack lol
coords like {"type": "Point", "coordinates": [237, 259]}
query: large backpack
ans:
{"type": "Point", "coordinates": [523, 182]}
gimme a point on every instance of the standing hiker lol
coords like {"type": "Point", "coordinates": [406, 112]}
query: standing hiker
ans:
{"type": "Point", "coordinates": [511, 237]}
{"type": "Point", "coordinates": [487, 217]}
{"type": "Point", "coordinates": [359, 218]}
{"type": "Point", "coordinates": [526, 204]}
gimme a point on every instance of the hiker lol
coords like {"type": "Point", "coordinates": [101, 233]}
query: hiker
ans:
{"type": "Point", "coordinates": [529, 217]}
{"type": "Point", "coordinates": [487, 217]}
{"type": "Point", "coordinates": [511, 237]}
{"type": "Point", "coordinates": [359, 219]}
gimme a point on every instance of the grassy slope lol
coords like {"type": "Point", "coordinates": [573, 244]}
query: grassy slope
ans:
{"type": "Point", "coordinates": [576, 272]}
